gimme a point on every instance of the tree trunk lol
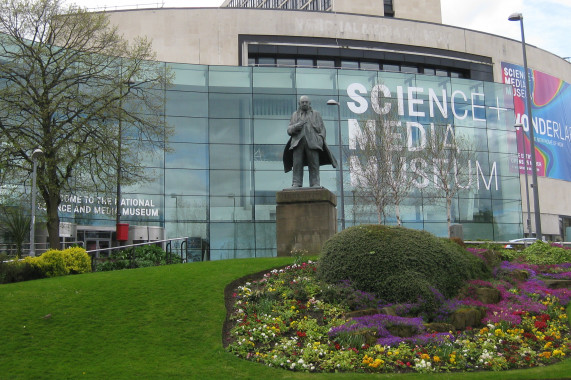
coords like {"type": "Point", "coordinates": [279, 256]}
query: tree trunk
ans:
{"type": "Point", "coordinates": [397, 212]}
{"type": "Point", "coordinates": [379, 215]}
{"type": "Point", "coordinates": [53, 222]}
{"type": "Point", "coordinates": [449, 213]}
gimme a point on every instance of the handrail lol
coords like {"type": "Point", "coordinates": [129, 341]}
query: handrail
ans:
{"type": "Point", "coordinates": [135, 245]}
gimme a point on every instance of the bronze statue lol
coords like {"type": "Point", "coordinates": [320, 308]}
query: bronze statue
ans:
{"type": "Point", "coordinates": [306, 146]}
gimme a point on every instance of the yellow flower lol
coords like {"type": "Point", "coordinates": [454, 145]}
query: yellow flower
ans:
{"type": "Point", "coordinates": [547, 345]}
{"type": "Point", "coordinates": [436, 359]}
{"type": "Point", "coordinates": [376, 363]}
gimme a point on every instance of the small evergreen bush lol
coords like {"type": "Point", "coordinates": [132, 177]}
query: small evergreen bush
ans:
{"type": "Point", "coordinates": [139, 257]}
{"type": "Point", "coordinates": [398, 264]}
{"type": "Point", "coordinates": [53, 262]}
{"type": "Point", "coordinates": [540, 253]}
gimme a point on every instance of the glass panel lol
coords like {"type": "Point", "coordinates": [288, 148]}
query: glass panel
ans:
{"type": "Point", "coordinates": [180, 103]}
{"type": "Point", "coordinates": [507, 211]}
{"type": "Point", "coordinates": [269, 79]}
{"type": "Point", "coordinates": [189, 77]}
{"type": "Point", "coordinates": [230, 105]}
{"type": "Point", "coordinates": [367, 80]}
{"type": "Point", "coordinates": [231, 208]}
{"type": "Point", "coordinates": [181, 208]}
{"type": "Point", "coordinates": [509, 188]}
{"type": "Point", "coordinates": [389, 67]}
{"type": "Point", "coordinates": [266, 61]}
{"type": "Point", "coordinates": [477, 231]}
{"type": "Point", "coordinates": [154, 186]}
{"type": "Point", "coordinates": [232, 236]}
{"type": "Point", "coordinates": [187, 156]}
{"type": "Point", "coordinates": [271, 131]}
{"type": "Point", "coordinates": [188, 129]}
{"type": "Point", "coordinates": [231, 182]}
{"type": "Point", "coordinates": [349, 64]}
{"type": "Point", "coordinates": [186, 182]}
{"type": "Point", "coordinates": [148, 158]}
{"type": "Point", "coordinates": [230, 79]}
{"type": "Point", "coordinates": [237, 131]}
{"type": "Point", "coordinates": [477, 210]}
{"type": "Point", "coordinates": [268, 157]}
{"type": "Point", "coordinates": [502, 162]}
{"type": "Point", "coordinates": [409, 69]}
{"type": "Point", "coordinates": [274, 106]}
{"type": "Point", "coordinates": [266, 212]}
{"type": "Point", "coordinates": [506, 232]}
{"type": "Point", "coordinates": [226, 156]}
{"type": "Point", "coordinates": [501, 141]}
{"type": "Point", "coordinates": [325, 63]}
{"type": "Point", "coordinates": [370, 66]}
{"type": "Point", "coordinates": [285, 62]}
{"type": "Point", "coordinates": [304, 62]}
{"type": "Point", "coordinates": [265, 236]}
{"type": "Point", "coordinates": [438, 229]}
{"type": "Point", "coordinates": [474, 136]}
{"type": "Point", "coordinates": [316, 81]}
{"type": "Point", "coordinates": [275, 180]}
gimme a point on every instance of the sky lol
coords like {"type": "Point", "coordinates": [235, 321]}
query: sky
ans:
{"type": "Point", "coordinates": [547, 23]}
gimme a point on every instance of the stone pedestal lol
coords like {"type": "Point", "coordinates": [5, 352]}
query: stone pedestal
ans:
{"type": "Point", "coordinates": [305, 219]}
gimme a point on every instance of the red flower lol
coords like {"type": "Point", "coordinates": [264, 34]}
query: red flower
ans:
{"type": "Point", "coordinates": [301, 334]}
{"type": "Point", "coordinates": [540, 325]}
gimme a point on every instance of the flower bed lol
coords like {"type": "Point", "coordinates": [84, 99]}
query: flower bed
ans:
{"type": "Point", "coordinates": [288, 319]}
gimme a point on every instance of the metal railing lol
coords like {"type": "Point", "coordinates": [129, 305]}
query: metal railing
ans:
{"type": "Point", "coordinates": [11, 249]}
{"type": "Point", "coordinates": [165, 244]}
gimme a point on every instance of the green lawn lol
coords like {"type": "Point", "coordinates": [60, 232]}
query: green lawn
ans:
{"type": "Point", "coordinates": [151, 323]}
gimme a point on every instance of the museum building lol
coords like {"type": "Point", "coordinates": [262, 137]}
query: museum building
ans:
{"type": "Point", "coordinates": [239, 72]}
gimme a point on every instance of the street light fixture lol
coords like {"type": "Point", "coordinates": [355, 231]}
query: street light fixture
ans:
{"type": "Point", "coordinates": [537, 211]}
{"type": "Point", "coordinates": [36, 155]}
{"type": "Point", "coordinates": [332, 102]}
{"type": "Point", "coordinates": [519, 127]}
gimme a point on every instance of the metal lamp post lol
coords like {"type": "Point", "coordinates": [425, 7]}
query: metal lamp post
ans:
{"type": "Point", "coordinates": [36, 155]}
{"type": "Point", "coordinates": [332, 102]}
{"type": "Point", "coordinates": [537, 211]}
{"type": "Point", "coordinates": [528, 221]}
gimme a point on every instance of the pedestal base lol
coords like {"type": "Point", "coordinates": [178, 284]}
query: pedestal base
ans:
{"type": "Point", "coordinates": [305, 218]}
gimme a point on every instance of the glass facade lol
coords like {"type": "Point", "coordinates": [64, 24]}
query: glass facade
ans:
{"type": "Point", "coordinates": [217, 184]}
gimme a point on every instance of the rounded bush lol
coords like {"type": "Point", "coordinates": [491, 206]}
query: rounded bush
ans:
{"type": "Point", "coordinates": [51, 263]}
{"type": "Point", "coordinates": [398, 264]}
{"type": "Point", "coordinates": [77, 260]}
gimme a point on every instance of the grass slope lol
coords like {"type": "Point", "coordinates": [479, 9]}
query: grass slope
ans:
{"type": "Point", "coordinates": [150, 323]}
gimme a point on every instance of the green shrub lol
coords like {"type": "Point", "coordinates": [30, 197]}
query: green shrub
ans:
{"type": "Point", "coordinates": [54, 262]}
{"type": "Point", "coordinates": [544, 253]}
{"type": "Point", "coordinates": [77, 260]}
{"type": "Point", "coordinates": [16, 271]}
{"type": "Point", "coordinates": [138, 257]}
{"type": "Point", "coordinates": [51, 263]}
{"type": "Point", "coordinates": [397, 264]}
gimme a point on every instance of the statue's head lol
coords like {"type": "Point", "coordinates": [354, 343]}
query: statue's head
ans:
{"type": "Point", "coordinates": [304, 102]}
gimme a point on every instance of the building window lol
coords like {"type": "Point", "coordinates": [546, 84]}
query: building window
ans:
{"type": "Point", "coordinates": [389, 10]}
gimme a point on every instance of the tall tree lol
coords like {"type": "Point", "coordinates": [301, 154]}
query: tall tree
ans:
{"type": "Point", "coordinates": [449, 160]}
{"type": "Point", "coordinates": [74, 88]}
{"type": "Point", "coordinates": [380, 159]}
